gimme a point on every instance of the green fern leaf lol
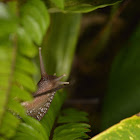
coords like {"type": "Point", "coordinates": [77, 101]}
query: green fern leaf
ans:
{"type": "Point", "coordinates": [33, 20]}
{"type": "Point", "coordinates": [72, 115]}
{"type": "Point", "coordinates": [73, 129]}
{"type": "Point", "coordinates": [17, 70]}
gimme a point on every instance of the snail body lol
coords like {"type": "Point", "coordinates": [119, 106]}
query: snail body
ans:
{"type": "Point", "coordinates": [47, 87]}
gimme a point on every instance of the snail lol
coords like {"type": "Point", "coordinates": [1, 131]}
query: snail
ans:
{"type": "Point", "coordinates": [47, 87]}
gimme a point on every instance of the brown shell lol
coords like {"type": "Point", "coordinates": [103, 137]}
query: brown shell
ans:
{"type": "Point", "coordinates": [48, 86]}
{"type": "Point", "coordinates": [40, 105]}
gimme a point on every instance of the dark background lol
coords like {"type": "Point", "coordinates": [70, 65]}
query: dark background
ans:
{"type": "Point", "coordinates": [102, 35]}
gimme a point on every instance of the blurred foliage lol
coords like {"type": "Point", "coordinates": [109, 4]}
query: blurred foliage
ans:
{"type": "Point", "coordinates": [61, 43]}
{"type": "Point", "coordinates": [78, 6]}
{"type": "Point", "coordinates": [123, 95]}
{"type": "Point", "coordinates": [17, 68]}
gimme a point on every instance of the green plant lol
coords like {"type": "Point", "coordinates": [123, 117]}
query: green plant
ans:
{"type": "Point", "coordinates": [24, 27]}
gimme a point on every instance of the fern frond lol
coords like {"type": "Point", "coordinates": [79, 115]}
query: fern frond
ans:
{"type": "Point", "coordinates": [71, 127]}
{"type": "Point", "coordinates": [17, 50]}
{"type": "Point", "coordinates": [72, 115]}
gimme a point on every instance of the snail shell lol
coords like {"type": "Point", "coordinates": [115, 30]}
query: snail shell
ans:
{"type": "Point", "coordinates": [47, 87]}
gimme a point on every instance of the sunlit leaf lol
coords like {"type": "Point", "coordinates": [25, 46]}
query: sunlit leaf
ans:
{"type": "Point", "coordinates": [127, 129]}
